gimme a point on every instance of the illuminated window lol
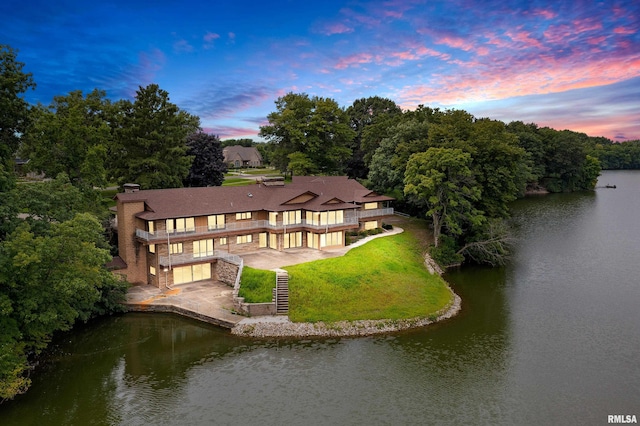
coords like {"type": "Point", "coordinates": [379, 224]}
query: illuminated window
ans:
{"type": "Point", "coordinates": [203, 248]}
{"type": "Point", "coordinates": [152, 270]}
{"type": "Point", "coordinates": [370, 225]}
{"type": "Point", "coordinates": [223, 241]}
{"type": "Point", "coordinates": [151, 227]}
{"type": "Point", "coordinates": [187, 274]}
{"type": "Point", "coordinates": [291, 217]}
{"type": "Point", "coordinates": [331, 239]}
{"type": "Point", "coordinates": [215, 221]}
{"type": "Point", "coordinates": [292, 239]}
{"type": "Point", "coordinates": [370, 206]}
{"type": "Point", "coordinates": [152, 248]}
{"type": "Point", "coordinates": [175, 248]}
{"type": "Point", "coordinates": [332, 217]}
{"type": "Point", "coordinates": [243, 239]}
{"type": "Point", "coordinates": [183, 224]}
{"type": "Point", "coordinates": [244, 215]}
{"type": "Point", "coordinates": [262, 240]}
{"type": "Point", "coordinates": [313, 240]}
{"type": "Point", "coordinates": [273, 218]}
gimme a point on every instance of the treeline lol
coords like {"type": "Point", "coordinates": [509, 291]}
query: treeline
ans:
{"type": "Point", "coordinates": [458, 170]}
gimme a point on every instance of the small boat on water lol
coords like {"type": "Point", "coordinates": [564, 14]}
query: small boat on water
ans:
{"type": "Point", "coordinates": [610, 186]}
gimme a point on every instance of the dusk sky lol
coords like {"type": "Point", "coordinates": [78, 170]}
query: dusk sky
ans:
{"type": "Point", "coordinates": [563, 64]}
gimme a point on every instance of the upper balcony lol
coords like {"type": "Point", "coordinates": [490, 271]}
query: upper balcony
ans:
{"type": "Point", "coordinates": [237, 228]}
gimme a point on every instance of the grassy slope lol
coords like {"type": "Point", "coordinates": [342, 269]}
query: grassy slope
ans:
{"type": "Point", "coordinates": [383, 279]}
{"type": "Point", "coordinates": [256, 285]}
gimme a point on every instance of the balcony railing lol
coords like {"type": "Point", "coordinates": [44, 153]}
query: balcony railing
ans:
{"type": "Point", "coordinates": [239, 227]}
{"type": "Point", "coordinates": [183, 259]}
{"type": "Point", "coordinates": [364, 214]}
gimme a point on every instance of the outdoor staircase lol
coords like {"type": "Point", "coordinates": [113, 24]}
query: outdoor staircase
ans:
{"type": "Point", "coordinates": [282, 293]}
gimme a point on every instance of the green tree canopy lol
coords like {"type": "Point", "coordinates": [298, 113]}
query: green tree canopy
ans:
{"type": "Point", "coordinates": [208, 166]}
{"type": "Point", "coordinates": [71, 136]}
{"type": "Point", "coordinates": [150, 140]}
{"type": "Point", "coordinates": [442, 179]}
{"type": "Point", "coordinates": [47, 282]}
{"type": "Point", "coordinates": [316, 127]}
{"type": "Point", "coordinates": [14, 110]}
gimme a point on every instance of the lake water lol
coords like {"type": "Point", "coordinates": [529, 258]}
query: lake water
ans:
{"type": "Point", "coordinates": [552, 338]}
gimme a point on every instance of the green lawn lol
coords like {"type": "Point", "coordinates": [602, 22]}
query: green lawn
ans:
{"type": "Point", "coordinates": [238, 182]}
{"type": "Point", "coordinates": [383, 279]}
{"type": "Point", "coordinates": [256, 285]}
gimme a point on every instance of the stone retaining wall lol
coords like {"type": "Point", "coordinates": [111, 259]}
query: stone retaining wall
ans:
{"type": "Point", "coordinates": [226, 272]}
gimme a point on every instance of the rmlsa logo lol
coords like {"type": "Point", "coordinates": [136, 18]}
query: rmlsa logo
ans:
{"type": "Point", "coordinates": [622, 418]}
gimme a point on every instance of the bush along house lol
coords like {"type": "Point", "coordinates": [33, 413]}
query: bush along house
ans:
{"type": "Point", "coordinates": [176, 236]}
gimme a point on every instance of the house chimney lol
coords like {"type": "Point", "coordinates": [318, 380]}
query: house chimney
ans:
{"type": "Point", "coordinates": [131, 187]}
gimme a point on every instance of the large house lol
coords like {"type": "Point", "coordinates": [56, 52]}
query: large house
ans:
{"type": "Point", "coordinates": [238, 156]}
{"type": "Point", "coordinates": [173, 236]}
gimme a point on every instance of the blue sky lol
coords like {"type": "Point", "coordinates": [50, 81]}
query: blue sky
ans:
{"type": "Point", "coordinates": [563, 64]}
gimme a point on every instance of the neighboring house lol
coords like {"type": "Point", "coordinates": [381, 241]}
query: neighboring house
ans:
{"type": "Point", "coordinates": [173, 236]}
{"type": "Point", "coordinates": [242, 156]}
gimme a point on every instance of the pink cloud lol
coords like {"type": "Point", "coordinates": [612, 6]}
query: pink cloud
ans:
{"type": "Point", "coordinates": [624, 30]}
{"type": "Point", "coordinates": [209, 37]}
{"type": "Point", "coordinates": [545, 13]}
{"type": "Point", "coordinates": [589, 24]}
{"type": "Point", "coordinates": [337, 28]}
{"type": "Point", "coordinates": [356, 60]}
{"type": "Point", "coordinates": [524, 39]}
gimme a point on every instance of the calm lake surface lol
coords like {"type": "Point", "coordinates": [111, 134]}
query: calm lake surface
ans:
{"type": "Point", "coordinates": [552, 338]}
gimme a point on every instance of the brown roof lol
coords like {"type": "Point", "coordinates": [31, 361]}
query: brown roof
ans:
{"type": "Point", "coordinates": [308, 193]}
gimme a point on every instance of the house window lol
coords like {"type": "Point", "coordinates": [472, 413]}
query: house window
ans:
{"type": "Point", "coordinates": [215, 221]}
{"type": "Point", "coordinates": [292, 239]}
{"type": "Point", "coordinates": [313, 240]}
{"type": "Point", "coordinates": [150, 227]}
{"type": "Point", "coordinates": [273, 218]}
{"type": "Point", "coordinates": [291, 217]}
{"type": "Point", "coordinates": [331, 239]}
{"type": "Point", "coordinates": [332, 217]}
{"type": "Point", "coordinates": [187, 274]}
{"type": "Point", "coordinates": [244, 215]}
{"type": "Point", "coordinates": [223, 241]}
{"type": "Point", "coordinates": [175, 248]}
{"type": "Point", "coordinates": [273, 241]}
{"type": "Point", "coordinates": [152, 248]}
{"type": "Point", "coordinates": [152, 270]}
{"type": "Point", "coordinates": [372, 224]}
{"type": "Point", "coordinates": [370, 206]}
{"type": "Point", "coordinates": [243, 239]}
{"type": "Point", "coordinates": [183, 224]}
{"type": "Point", "coordinates": [203, 248]}
{"type": "Point", "coordinates": [313, 218]}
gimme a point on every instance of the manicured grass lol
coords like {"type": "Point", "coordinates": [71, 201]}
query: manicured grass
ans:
{"type": "Point", "coordinates": [238, 182]}
{"type": "Point", "coordinates": [383, 279]}
{"type": "Point", "coordinates": [256, 285]}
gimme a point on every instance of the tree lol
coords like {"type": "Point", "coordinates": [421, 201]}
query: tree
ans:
{"type": "Point", "coordinates": [48, 282]}
{"type": "Point", "coordinates": [316, 127]}
{"type": "Point", "coordinates": [301, 165]}
{"type": "Point", "coordinates": [442, 178]}
{"type": "Point", "coordinates": [150, 140]}
{"type": "Point", "coordinates": [14, 110]}
{"type": "Point", "coordinates": [208, 166]}
{"type": "Point", "coordinates": [71, 136]}
{"type": "Point", "coordinates": [364, 113]}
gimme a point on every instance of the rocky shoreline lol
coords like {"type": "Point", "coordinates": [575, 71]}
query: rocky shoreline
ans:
{"type": "Point", "coordinates": [282, 327]}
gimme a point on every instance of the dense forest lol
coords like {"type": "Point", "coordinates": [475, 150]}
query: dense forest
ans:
{"type": "Point", "coordinates": [458, 171]}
